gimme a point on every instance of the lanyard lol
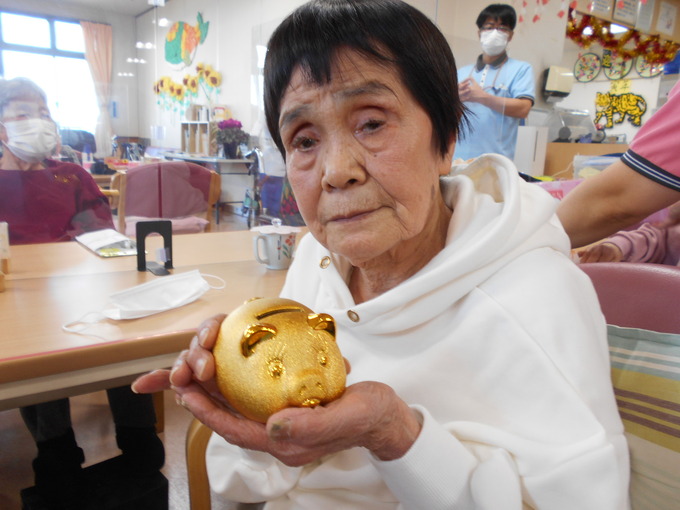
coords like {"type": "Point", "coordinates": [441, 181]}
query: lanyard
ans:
{"type": "Point", "coordinates": [481, 84]}
{"type": "Point", "coordinates": [485, 71]}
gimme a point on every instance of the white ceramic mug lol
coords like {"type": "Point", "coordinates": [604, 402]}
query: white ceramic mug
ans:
{"type": "Point", "coordinates": [274, 250]}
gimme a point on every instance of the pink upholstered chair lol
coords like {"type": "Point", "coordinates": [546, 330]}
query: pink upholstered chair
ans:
{"type": "Point", "coordinates": [640, 302]}
{"type": "Point", "coordinates": [638, 295]}
{"type": "Point", "coordinates": [183, 192]}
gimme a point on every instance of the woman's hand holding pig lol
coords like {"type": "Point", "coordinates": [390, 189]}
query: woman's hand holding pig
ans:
{"type": "Point", "coordinates": [368, 414]}
{"type": "Point", "coordinates": [201, 368]}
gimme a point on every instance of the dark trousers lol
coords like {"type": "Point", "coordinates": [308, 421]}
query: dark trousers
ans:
{"type": "Point", "coordinates": [53, 419]}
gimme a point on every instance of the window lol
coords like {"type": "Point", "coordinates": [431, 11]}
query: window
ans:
{"type": "Point", "coordinates": [51, 52]}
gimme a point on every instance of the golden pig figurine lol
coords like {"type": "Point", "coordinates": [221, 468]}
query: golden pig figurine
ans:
{"type": "Point", "coordinates": [273, 353]}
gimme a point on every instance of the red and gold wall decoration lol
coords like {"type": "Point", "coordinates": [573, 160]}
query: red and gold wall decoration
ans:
{"type": "Point", "coordinates": [585, 30]}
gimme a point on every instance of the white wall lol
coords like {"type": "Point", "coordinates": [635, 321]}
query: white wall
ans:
{"type": "Point", "coordinates": [236, 26]}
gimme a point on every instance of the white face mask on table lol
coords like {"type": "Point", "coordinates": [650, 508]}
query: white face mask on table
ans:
{"type": "Point", "coordinates": [493, 42]}
{"type": "Point", "coordinates": [156, 296]}
{"type": "Point", "coordinates": [31, 140]}
{"type": "Point", "coordinates": [159, 295]}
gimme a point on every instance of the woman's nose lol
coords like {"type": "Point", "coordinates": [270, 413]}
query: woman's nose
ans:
{"type": "Point", "coordinates": [342, 165]}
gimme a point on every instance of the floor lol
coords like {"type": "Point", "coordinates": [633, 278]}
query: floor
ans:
{"type": "Point", "coordinates": [94, 430]}
{"type": "Point", "coordinates": [229, 221]}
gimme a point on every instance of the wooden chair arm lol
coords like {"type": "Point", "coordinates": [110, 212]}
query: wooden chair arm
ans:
{"type": "Point", "coordinates": [197, 474]}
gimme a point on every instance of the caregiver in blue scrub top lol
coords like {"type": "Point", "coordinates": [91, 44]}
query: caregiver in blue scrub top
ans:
{"type": "Point", "coordinates": [497, 89]}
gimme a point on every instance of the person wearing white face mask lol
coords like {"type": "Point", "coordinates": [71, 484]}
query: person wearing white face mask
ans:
{"type": "Point", "coordinates": [44, 200]}
{"type": "Point", "coordinates": [31, 140]}
{"type": "Point", "coordinates": [41, 199]}
{"type": "Point", "coordinates": [498, 90]}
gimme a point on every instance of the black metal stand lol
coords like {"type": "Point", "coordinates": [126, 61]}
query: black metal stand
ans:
{"type": "Point", "coordinates": [144, 228]}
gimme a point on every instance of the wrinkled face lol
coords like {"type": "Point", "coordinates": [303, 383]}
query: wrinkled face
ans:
{"type": "Point", "coordinates": [360, 158]}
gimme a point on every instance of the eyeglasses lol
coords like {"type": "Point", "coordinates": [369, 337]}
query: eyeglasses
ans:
{"type": "Point", "coordinates": [501, 28]}
{"type": "Point", "coordinates": [20, 110]}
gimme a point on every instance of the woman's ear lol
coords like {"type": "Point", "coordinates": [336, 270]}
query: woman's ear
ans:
{"type": "Point", "coordinates": [448, 158]}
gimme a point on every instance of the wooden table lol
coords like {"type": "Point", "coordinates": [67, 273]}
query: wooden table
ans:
{"type": "Point", "coordinates": [53, 284]}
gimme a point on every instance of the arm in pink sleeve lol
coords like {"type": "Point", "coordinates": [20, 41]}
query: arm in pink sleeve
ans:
{"type": "Point", "coordinates": [646, 244]}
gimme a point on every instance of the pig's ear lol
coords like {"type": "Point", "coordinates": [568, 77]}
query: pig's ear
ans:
{"type": "Point", "coordinates": [322, 321]}
{"type": "Point", "coordinates": [253, 334]}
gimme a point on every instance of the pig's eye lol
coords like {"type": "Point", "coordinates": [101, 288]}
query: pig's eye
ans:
{"type": "Point", "coordinates": [323, 359]}
{"type": "Point", "coordinates": [275, 367]}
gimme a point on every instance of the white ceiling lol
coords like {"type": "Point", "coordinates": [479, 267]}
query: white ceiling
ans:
{"type": "Point", "coordinates": [127, 7]}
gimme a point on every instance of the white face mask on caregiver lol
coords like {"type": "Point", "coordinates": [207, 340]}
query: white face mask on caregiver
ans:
{"type": "Point", "coordinates": [31, 140]}
{"type": "Point", "coordinates": [494, 41]}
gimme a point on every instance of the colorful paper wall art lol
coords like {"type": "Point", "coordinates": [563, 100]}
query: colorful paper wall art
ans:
{"type": "Point", "coordinates": [202, 87]}
{"type": "Point", "coordinates": [183, 40]}
{"type": "Point", "coordinates": [627, 105]}
{"type": "Point", "coordinates": [587, 67]}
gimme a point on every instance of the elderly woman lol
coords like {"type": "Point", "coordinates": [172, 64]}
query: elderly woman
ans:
{"type": "Point", "coordinates": [41, 199]}
{"type": "Point", "coordinates": [44, 200]}
{"type": "Point", "coordinates": [479, 367]}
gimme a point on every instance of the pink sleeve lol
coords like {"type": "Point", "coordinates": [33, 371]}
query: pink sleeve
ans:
{"type": "Point", "coordinates": [646, 244]}
{"type": "Point", "coordinates": [658, 135]}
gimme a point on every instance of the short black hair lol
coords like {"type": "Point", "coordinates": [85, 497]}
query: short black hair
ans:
{"type": "Point", "coordinates": [503, 12]}
{"type": "Point", "coordinates": [389, 31]}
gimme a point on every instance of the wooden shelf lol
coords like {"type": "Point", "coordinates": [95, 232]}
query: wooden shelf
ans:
{"type": "Point", "coordinates": [198, 137]}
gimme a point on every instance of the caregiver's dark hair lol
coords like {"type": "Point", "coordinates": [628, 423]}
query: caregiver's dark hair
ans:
{"type": "Point", "coordinates": [502, 12]}
{"type": "Point", "coordinates": [391, 32]}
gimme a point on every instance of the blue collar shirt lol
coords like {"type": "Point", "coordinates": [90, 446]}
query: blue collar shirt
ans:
{"type": "Point", "coordinates": [490, 131]}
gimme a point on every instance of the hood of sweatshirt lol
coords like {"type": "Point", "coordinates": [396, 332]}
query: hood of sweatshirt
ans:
{"type": "Point", "coordinates": [497, 217]}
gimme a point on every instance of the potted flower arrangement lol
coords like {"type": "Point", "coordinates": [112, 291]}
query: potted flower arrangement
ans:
{"type": "Point", "coordinates": [230, 134]}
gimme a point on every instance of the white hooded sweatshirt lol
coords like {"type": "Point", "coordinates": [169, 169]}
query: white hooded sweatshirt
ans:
{"type": "Point", "coordinates": [498, 343]}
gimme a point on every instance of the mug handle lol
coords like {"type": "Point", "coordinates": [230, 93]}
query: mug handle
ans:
{"type": "Point", "coordinates": [256, 249]}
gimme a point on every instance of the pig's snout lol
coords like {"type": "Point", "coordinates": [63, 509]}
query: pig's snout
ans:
{"type": "Point", "coordinates": [308, 390]}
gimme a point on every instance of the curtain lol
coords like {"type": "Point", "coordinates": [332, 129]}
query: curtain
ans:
{"type": "Point", "coordinates": [98, 42]}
